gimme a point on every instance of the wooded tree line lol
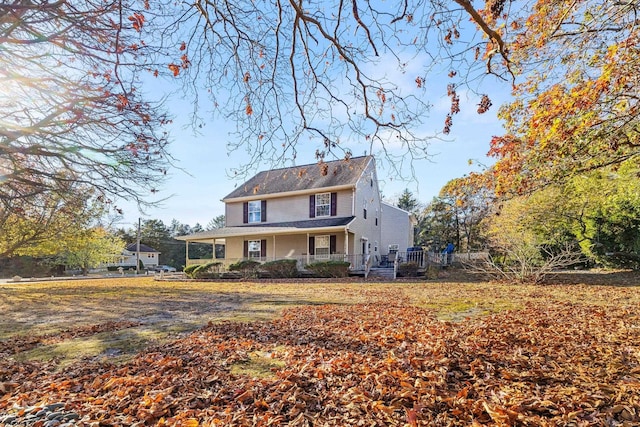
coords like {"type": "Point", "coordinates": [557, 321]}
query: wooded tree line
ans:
{"type": "Point", "coordinates": [595, 214]}
{"type": "Point", "coordinates": [86, 246]}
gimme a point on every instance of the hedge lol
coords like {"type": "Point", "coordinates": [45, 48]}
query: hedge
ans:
{"type": "Point", "coordinates": [281, 269]}
{"type": "Point", "coordinates": [329, 268]}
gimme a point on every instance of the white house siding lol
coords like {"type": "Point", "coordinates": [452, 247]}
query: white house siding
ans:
{"type": "Point", "coordinates": [285, 208]}
{"type": "Point", "coordinates": [367, 193]}
{"type": "Point", "coordinates": [146, 258]}
{"type": "Point", "coordinates": [397, 228]}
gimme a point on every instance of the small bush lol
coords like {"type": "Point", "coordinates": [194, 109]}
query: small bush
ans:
{"type": "Point", "coordinates": [246, 267]}
{"type": "Point", "coordinates": [280, 269]}
{"type": "Point", "coordinates": [210, 270]}
{"type": "Point", "coordinates": [329, 268]}
{"type": "Point", "coordinates": [408, 269]}
{"type": "Point", "coordinates": [188, 270]}
{"type": "Point", "coordinates": [433, 271]}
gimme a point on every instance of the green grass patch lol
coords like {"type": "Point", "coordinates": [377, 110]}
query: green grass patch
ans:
{"type": "Point", "coordinates": [257, 365]}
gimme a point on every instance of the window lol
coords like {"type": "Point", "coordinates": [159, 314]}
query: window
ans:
{"type": "Point", "coordinates": [255, 211]}
{"type": "Point", "coordinates": [322, 247]}
{"type": "Point", "coordinates": [323, 204]}
{"type": "Point", "coordinates": [255, 249]}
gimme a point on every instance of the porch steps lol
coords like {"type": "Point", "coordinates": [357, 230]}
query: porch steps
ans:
{"type": "Point", "coordinates": [381, 272]}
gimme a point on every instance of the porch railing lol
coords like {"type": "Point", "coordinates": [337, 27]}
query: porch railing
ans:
{"type": "Point", "coordinates": [356, 261]}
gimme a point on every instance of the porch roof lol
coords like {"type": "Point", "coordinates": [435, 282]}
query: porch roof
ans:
{"type": "Point", "coordinates": [289, 227]}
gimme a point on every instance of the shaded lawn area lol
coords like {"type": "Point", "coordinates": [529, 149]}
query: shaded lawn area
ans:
{"type": "Point", "coordinates": [141, 352]}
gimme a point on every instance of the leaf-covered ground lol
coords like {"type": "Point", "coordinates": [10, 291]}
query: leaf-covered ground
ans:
{"type": "Point", "coordinates": [545, 356]}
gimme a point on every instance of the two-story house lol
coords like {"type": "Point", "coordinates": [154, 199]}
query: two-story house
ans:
{"type": "Point", "coordinates": [321, 211]}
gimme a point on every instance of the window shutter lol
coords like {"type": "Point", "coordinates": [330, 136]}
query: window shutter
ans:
{"type": "Point", "coordinates": [334, 204]}
{"type": "Point", "coordinates": [246, 249]}
{"type": "Point", "coordinates": [263, 248]}
{"type": "Point", "coordinates": [312, 206]}
{"type": "Point", "coordinates": [245, 212]}
{"type": "Point", "coordinates": [263, 211]}
{"type": "Point", "coordinates": [332, 244]}
{"type": "Point", "coordinates": [312, 245]}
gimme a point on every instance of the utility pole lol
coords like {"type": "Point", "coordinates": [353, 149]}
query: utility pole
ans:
{"type": "Point", "coordinates": [138, 250]}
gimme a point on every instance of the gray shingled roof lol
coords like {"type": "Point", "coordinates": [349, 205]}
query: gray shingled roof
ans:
{"type": "Point", "coordinates": [338, 172]}
{"type": "Point", "coordinates": [279, 227]}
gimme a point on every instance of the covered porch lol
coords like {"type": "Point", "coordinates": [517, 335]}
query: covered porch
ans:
{"type": "Point", "coordinates": [304, 241]}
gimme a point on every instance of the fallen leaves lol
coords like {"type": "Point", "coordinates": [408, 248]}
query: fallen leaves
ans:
{"type": "Point", "coordinates": [23, 343]}
{"type": "Point", "coordinates": [374, 364]}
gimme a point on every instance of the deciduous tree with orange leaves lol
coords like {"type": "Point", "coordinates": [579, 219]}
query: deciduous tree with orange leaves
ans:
{"type": "Point", "coordinates": [576, 99]}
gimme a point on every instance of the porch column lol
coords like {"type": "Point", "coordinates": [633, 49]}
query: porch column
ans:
{"type": "Point", "coordinates": [274, 247]}
{"type": "Point", "coordinates": [187, 256]}
{"type": "Point", "coordinates": [308, 250]}
{"type": "Point", "coordinates": [213, 243]}
{"type": "Point", "coordinates": [346, 242]}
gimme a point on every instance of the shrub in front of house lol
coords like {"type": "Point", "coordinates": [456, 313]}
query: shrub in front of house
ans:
{"type": "Point", "coordinates": [329, 268]}
{"type": "Point", "coordinates": [408, 269]}
{"type": "Point", "coordinates": [281, 269]}
{"type": "Point", "coordinates": [247, 267]}
{"type": "Point", "coordinates": [210, 270]}
{"type": "Point", "coordinates": [188, 270]}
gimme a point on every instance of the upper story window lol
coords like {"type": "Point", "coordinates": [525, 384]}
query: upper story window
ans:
{"type": "Point", "coordinates": [323, 204]}
{"type": "Point", "coordinates": [255, 211]}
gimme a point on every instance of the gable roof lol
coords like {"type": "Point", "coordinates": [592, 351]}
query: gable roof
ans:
{"type": "Point", "coordinates": [133, 247]}
{"type": "Point", "coordinates": [296, 178]}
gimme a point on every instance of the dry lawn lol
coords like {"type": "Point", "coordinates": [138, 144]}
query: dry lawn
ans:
{"type": "Point", "coordinates": [449, 352]}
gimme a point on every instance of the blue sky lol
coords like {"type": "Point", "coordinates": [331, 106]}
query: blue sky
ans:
{"type": "Point", "coordinates": [193, 191]}
{"type": "Point", "coordinates": [193, 194]}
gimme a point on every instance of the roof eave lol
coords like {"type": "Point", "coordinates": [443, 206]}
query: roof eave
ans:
{"type": "Point", "coordinates": [263, 231]}
{"type": "Point", "coordinates": [262, 196]}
